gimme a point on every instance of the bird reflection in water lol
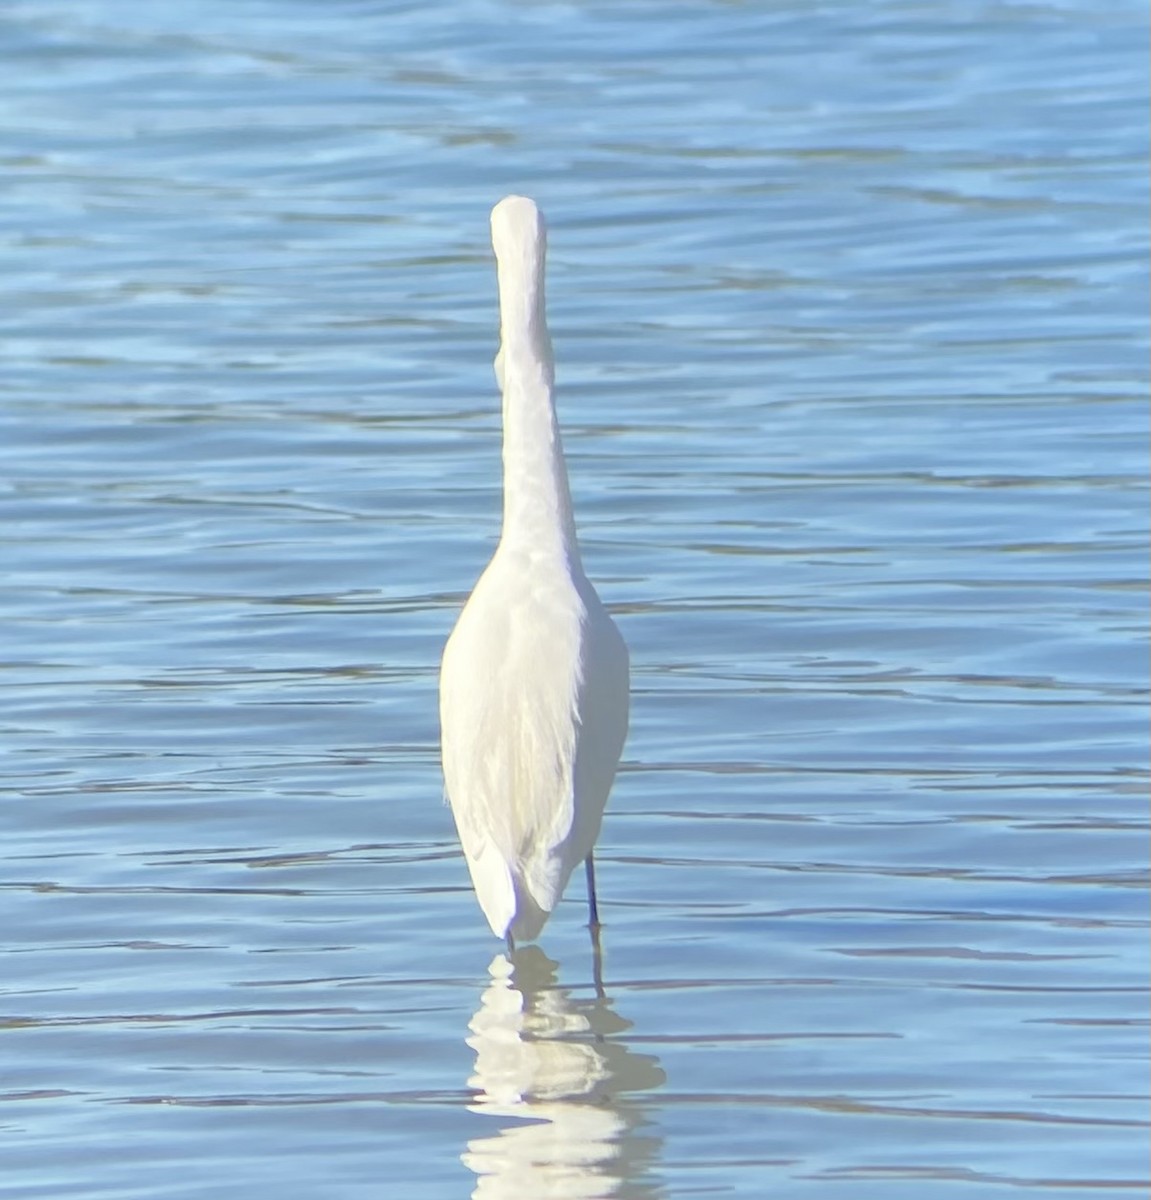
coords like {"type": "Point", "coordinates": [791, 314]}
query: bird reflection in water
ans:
{"type": "Point", "coordinates": [544, 1056]}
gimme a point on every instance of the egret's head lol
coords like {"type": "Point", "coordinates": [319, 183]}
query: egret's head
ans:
{"type": "Point", "coordinates": [519, 238]}
{"type": "Point", "coordinates": [518, 230]}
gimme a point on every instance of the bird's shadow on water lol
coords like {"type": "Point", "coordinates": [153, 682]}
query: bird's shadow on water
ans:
{"type": "Point", "coordinates": [555, 1065]}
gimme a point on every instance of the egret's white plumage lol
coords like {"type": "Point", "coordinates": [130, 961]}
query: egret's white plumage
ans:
{"type": "Point", "coordinates": [534, 680]}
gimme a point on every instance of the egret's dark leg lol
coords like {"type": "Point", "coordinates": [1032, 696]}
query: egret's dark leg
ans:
{"type": "Point", "coordinates": [592, 907]}
{"type": "Point", "coordinates": [594, 925]}
{"type": "Point", "coordinates": [511, 944]}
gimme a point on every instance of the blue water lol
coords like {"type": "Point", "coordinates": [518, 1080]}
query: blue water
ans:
{"type": "Point", "coordinates": [849, 306]}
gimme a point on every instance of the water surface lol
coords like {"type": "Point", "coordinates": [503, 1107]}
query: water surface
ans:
{"type": "Point", "coordinates": [849, 304]}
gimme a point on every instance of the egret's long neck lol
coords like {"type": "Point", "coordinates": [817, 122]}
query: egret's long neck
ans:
{"type": "Point", "coordinates": [537, 499]}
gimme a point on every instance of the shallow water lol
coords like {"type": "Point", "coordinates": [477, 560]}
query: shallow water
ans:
{"type": "Point", "coordinates": [848, 305]}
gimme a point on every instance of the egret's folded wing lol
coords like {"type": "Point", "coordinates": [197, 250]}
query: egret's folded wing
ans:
{"type": "Point", "coordinates": [508, 733]}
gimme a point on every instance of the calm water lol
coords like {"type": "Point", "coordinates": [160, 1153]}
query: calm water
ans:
{"type": "Point", "coordinates": [849, 305]}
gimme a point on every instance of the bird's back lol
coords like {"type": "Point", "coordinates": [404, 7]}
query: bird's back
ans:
{"type": "Point", "coordinates": [533, 710]}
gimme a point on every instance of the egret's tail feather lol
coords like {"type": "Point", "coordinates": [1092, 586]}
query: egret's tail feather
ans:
{"type": "Point", "coordinates": [530, 918]}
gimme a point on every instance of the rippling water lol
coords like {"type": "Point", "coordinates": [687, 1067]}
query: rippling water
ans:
{"type": "Point", "coordinates": [848, 303]}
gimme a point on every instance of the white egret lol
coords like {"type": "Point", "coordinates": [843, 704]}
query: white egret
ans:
{"type": "Point", "coordinates": [534, 679]}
